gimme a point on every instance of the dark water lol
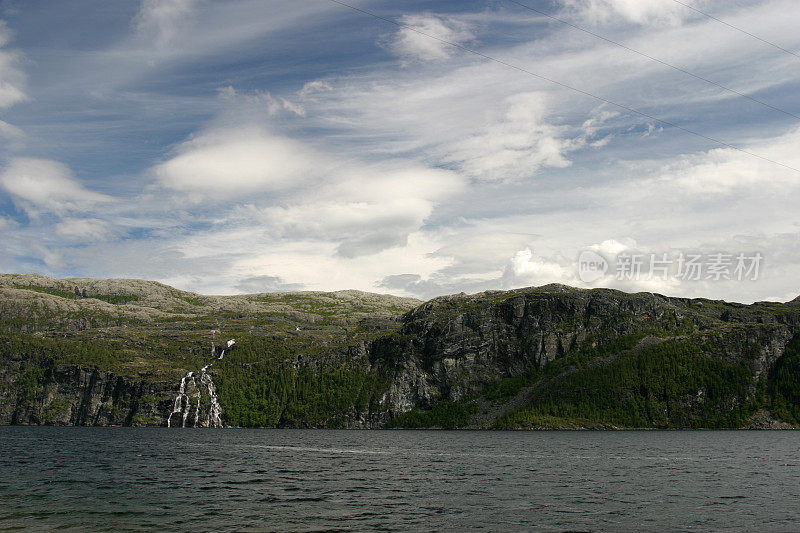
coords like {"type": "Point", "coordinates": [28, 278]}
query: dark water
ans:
{"type": "Point", "coordinates": [225, 480]}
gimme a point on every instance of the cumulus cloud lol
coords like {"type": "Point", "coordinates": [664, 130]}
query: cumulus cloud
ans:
{"type": "Point", "coordinates": [611, 247]}
{"type": "Point", "coordinates": [645, 12]}
{"type": "Point", "coordinates": [12, 79]}
{"type": "Point", "coordinates": [228, 162]}
{"type": "Point", "coordinates": [409, 42]}
{"type": "Point", "coordinates": [295, 193]}
{"type": "Point", "coordinates": [44, 185]}
{"type": "Point", "coordinates": [525, 268]}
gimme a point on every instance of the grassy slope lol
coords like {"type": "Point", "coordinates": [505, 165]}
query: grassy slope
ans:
{"type": "Point", "coordinates": [145, 329]}
{"type": "Point", "coordinates": [137, 327]}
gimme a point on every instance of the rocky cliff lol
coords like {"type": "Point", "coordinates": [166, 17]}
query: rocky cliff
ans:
{"type": "Point", "coordinates": [86, 352]}
{"type": "Point", "coordinates": [532, 343]}
{"type": "Point", "coordinates": [78, 396]}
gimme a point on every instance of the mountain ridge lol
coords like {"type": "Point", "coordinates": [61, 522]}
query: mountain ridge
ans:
{"type": "Point", "coordinates": [84, 351]}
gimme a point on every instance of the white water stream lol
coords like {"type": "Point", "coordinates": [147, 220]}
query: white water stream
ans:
{"type": "Point", "coordinates": [182, 405]}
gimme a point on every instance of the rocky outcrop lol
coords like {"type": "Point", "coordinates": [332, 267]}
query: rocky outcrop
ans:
{"type": "Point", "coordinates": [762, 419]}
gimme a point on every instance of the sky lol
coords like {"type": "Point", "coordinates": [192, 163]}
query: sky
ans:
{"type": "Point", "coordinates": [420, 149]}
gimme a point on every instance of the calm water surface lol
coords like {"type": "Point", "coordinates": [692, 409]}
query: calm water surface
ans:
{"type": "Point", "coordinates": [288, 480]}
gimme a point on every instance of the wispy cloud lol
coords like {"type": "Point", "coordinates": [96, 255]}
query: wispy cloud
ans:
{"type": "Point", "coordinates": [44, 186]}
{"type": "Point", "coordinates": [413, 41]}
{"type": "Point", "coordinates": [264, 99]}
{"type": "Point", "coordinates": [12, 78]}
{"type": "Point", "coordinates": [249, 146]}
{"type": "Point", "coordinates": [645, 12]}
{"type": "Point", "coordinates": [163, 21]}
{"type": "Point", "coordinates": [9, 131]}
{"type": "Point", "coordinates": [85, 230]}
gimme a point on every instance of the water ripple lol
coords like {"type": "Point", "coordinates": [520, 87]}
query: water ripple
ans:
{"type": "Point", "coordinates": [111, 479]}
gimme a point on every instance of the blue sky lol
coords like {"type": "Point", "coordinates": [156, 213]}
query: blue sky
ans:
{"type": "Point", "coordinates": [248, 146]}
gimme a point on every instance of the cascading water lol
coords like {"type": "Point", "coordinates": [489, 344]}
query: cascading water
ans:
{"type": "Point", "coordinates": [215, 411]}
{"type": "Point", "coordinates": [182, 406]}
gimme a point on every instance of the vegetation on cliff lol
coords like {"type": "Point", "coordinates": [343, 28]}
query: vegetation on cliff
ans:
{"type": "Point", "coordinates": [114, 351]}
{"type": "Point", "coordinates": [665, 385]}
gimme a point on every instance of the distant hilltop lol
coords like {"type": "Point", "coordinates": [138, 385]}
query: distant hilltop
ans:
{"type": "Point", "coordinates": [82, 351]}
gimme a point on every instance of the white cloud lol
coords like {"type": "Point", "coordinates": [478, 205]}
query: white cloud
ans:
{"type": "Point", "coordinates": [397, 179]}
{"type": "Point", "coordinates": [522, 141]}
{"type": "Point", "coordinates": [43, 185]}
{"type": "Point", "coordinates": [7, 223]}
{"type": "Point", "coordinates": [645, 12]}
{"type": "Point", "coordinates": [359, 228]}
{"type": "Point", "coordinates": [409, 42]}
{"type": "Point", "coordinates": [295, 193]}
{"type": "Point", "coordinates": [321, 266]}
{"type": "Point", "coordinates": [52, 258]}
{"type": "Point", "coordinates": [312, 87]}
{"type": "Point", "coordinates": [85, 229]}
{"type": "Point", "coordinates": [361, 209]}
{"type": "Point", "coordinates": [464, 113]}
{"type": "Point", "coordinates": [611, 247]}
{"type": "Point", "coordinates": [725, 170]}
{"type": "Point", "coordinates": [331, 219]}
{"type": "Point", "coordinates": [9, 131]}
{"type": "Point", "coordinates": [355, 194]}
{"type": "Point", "coordinates": [514, 146]}
{"type": "Point", "coordinates": [163, 20]}
{"type": "Point", "coordinates": [592, 125]}
{"type": "Point", "coordinates": [527, 269]}
{"type": "Point", "coordinates": [261, 99]}
{"type": "Point", "coordinates": [231, 162]}
{"type": "Point", "coordinates": [12, 79]}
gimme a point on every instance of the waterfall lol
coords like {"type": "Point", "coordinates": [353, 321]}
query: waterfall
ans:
{"type": "Point", "coordinates": [182, 405]}
{"type": "Point", "coordinates": [227, 347]}
{"type": "Point", "coordinates": [215, 411]}
{"type": "Point", "coordinates": [197, 408]}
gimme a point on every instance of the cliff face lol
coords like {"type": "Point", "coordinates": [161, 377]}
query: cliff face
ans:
{"type": "Point", "coordinates": [551, 356]}
{"type": "Point", "coordinates": [77, 396]}
{"type": "Point", "coordinates": [452, 348]}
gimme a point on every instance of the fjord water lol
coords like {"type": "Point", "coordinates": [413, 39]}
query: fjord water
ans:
{"type": "Point", "coordinates": [200, 479]}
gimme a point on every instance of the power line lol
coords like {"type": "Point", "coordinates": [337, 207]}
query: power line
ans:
{"type": "Point", "coordinates": [712, 17]}
{"type": "Point", "coordinates": [564, 85]}
{"type": "Point", "coordinates": [666, 64]}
